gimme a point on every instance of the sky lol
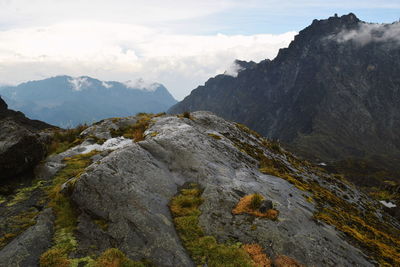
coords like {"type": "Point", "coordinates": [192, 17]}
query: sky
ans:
{"type": "Point", "coordinates": [179, 43]}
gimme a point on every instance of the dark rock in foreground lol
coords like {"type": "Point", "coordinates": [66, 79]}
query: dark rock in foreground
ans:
{"type": "Point", "coordinates": [21, 144]}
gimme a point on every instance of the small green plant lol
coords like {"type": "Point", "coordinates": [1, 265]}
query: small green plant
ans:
{"type": "Point", "coordinates": [186, 115]}
{"type": "Point", "coordinates": [62, 140]}
{"type": "Point", "coordinates": [136, 130]}
{"type": "Point", "coordinates": [215, 136]}
{"type": "Point", "coordinates": [255, 201]}
{"type": "Point", "coordinates": [102, 224]}
{"type": "Point", "coordinates": [250, 204]}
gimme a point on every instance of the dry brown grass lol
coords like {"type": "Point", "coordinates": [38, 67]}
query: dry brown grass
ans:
{"type": "Point", "coordinates": [245, 206]}
{"type": "Point", "coordinates": [113, 257]}
{"type": "Point", "coordinates": [256, 253]}
{"type": "Point", "coordinates": [285, 261]}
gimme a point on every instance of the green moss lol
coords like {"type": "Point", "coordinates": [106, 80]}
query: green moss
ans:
{"type": "Point", "coordinates": [63, 140]}
{"type": "Point", "coordinates": [203, 249]}
{"type": "Point", "coordinates": [6, 238]}
{"type": "Point", "coordinates": [374, 236]}
{"type": "Point", "coordinates": [247, 130]}
{"type": "Point", "coordinates": [116, 119]}
{"type": "Point", "coordinates": [380, 194]}
{"type": "Point", "coordinates": [136, 130]}
{"type": "Point", "coordinates": [54, 257]}
{"type": "Point", "coordinates": [2, 199]}
{"type": "Point", "coordinates": [18, 224]}
{"type": "Point", "coordinates": [80, 262]}
{"type": "Point", "coordinates": [98, 141]}
{"type": "Point", "coordinates": [381, 244]}
{"type": "Point", "coordinates": [24, 193]}
{"type": "Point", "coordinates": [102, 224]}
{"type": "Point", "coordinates": [66, 215]}
{"type": "Point", "coordinates": [160, 114]}
{"type": "Point", "coordinates": [113, 257]}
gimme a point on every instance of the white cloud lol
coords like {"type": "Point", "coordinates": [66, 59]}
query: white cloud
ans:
{"type": "Point", "coordinates": [233, 69]}
{"type": "Point", "coordinates": [106, 85]}
{"type": "Point", "coordinates": [79, 83]}
{"type": "Point", "coordinates": [117, 51]}
{"type": "Point", "coordinates": [367, 33]}
{"type": "Point", "coordinates": [130, 39]}
{"type": "Point", "coordinates": [141, 84]}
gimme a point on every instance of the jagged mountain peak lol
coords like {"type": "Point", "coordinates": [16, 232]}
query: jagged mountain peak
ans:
{"type": "Point", "coordinates": [331, 95]}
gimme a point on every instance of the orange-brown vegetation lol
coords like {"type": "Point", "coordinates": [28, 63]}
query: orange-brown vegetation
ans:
{"type": "Point", "coordinates": [246, 205]}
{"type": "Point", "coordinates": [285, 261]}
{"type": "Point", "coordinates": [256, 253]}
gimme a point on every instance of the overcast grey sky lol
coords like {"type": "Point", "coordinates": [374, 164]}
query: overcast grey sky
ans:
{"type": "Point", "coordinates": [179, 43]}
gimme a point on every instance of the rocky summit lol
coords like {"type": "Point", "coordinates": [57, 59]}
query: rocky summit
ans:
{"type": "Point", "coordinates": [189, 190]}
{"type": "Point", "coordinates": [332, 95]}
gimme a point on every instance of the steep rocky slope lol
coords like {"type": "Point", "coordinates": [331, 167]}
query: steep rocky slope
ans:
{"type": "Point", "coordinates": [21, 144]}
{"type": "Point", "coordinates": [333, 94]}
{"type": "Point", "coordinates": [190, 190]}
{"type": "Point", "coordinates": [68, 101]}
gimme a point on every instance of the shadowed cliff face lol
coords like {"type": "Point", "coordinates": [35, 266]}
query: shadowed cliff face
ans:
{"type": "Point", "coordinates": [21, 145]}
{"type": "Point", "coordinates": [332, 94]}
{"type": "Point", "coordinates": [3, 105]}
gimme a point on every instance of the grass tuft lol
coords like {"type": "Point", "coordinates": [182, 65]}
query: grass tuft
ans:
{"type": "Point", "coordinates": [250, 204]}
{"type": "Point", "coordinates": [63, 140]}
{"type": "Point", "coordinates": [203, 249]}
{"type": "Point", "coordinates": [113, 257]}
{"type": "Point", "coordinates": [258, 256]}
{"type": "Point", "coordinates": [136, 130]}
{"type": "Point", "coordinates": [24, 193]}
{"type": "Point", "coordinates": [215, 136]}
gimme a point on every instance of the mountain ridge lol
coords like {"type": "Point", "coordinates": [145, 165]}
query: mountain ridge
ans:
{"type": "Point", "coordinates": [329, 96]}
{"type": "Point", "coordinates": [67, 101]}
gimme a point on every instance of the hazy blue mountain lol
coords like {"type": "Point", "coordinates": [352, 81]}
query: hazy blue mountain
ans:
{"type": "Point", "coordinates": [66, 101]}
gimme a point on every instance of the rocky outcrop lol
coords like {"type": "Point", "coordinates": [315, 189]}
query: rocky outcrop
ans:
{"type": "Point", "coordinates": [332, 94]}
{"type": "Point", "coordinates": [21, 144]}
{"type": "Point", "coordinates": [122, 199]}
{"type": "Point", "coordinates": [130, 189]}
{"type": "Point", "coordinates": [3, 105]}
{"type": "Point", "coordinates": [26, 249]}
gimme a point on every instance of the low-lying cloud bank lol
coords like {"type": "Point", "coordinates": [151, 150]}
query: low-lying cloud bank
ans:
{"type": "Point", "coordinates": [115, 51]}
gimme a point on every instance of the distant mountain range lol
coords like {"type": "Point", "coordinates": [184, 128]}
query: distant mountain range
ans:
{"type": "Point", "coordinates": [333, 94]}
{"type": "Point", "coordinates": [67, 101]}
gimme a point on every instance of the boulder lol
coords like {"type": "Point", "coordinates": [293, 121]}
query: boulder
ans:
{"type": "Point", "coordinates": [22, 146]}
{"type": "Point", "coordinates": [265, 205]}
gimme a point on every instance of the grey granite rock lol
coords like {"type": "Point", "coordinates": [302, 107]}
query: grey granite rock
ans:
{"type": "Point", "coordinates": [25, 250]}
{"type": "Point", "coordinates": [131, 187]}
